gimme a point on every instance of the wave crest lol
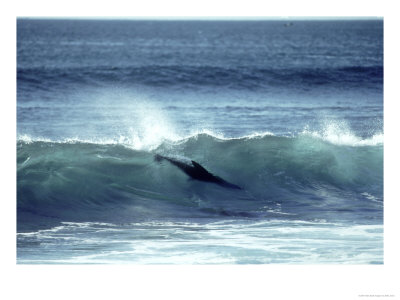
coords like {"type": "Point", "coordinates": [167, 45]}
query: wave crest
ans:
{"type": "Point", "coordinates": [283, 177]}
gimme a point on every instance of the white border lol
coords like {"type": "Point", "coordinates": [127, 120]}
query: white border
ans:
{"type": "Point", "coordinates": [209, 8]}
{"type": "Point", "coordinates": [202, 282]}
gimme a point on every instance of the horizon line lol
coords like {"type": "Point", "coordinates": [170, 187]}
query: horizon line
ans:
{"type": "Point", "coordinates": [207, 18]}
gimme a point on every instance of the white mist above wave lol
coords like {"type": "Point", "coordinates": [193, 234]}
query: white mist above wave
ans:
{"type": "Point", "coordinates": [144, 122]}
{"type": "Point", "coordinates": [145, 125]}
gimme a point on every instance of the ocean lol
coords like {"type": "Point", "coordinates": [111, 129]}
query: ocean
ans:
{"type": "Point", "coordinates": [289, 112]}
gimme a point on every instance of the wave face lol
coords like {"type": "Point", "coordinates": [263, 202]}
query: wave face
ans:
{"type": "Point", "coordinates": [302, 178]}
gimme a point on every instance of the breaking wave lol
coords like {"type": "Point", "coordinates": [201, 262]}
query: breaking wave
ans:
{"type": "Point", "coordinates": [302, 177]}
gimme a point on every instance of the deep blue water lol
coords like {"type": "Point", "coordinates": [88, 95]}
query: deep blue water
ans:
{"type": "Point", "coordinates": [292, 112]}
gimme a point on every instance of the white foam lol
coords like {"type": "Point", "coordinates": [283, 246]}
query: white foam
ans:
{"type": "Point", "coordinates": [221, 242]}
{"type": "Point", "coordinates": [221, 136]}
{"type": "Point", "coordinates": [149, 128]}
{"type": "Point", "coordinates": [29, 139]}
{"type": "Point", "coordinates": [70, 140]}
{"type": "Point", "coordinates": [371, 197]}
{"type": "Point", "coordinates": [339, 133]}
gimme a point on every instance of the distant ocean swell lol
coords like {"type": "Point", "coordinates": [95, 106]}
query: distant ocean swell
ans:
{"type": "Point", "coordinates": [211, 76]}
{"type": "Point", "coordinates": [303, 177]}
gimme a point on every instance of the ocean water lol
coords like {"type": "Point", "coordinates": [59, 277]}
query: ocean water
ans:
{"type": "Point", "coordinates": [291, 112]}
